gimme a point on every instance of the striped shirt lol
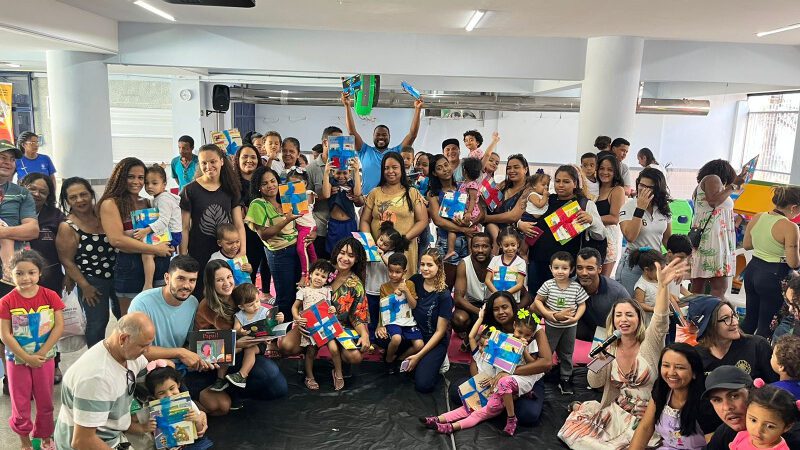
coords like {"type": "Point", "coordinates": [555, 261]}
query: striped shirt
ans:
{"type": "Point", "coordinates": [557, 299]}
{"type": "Point", "coordinates": [94, 394]}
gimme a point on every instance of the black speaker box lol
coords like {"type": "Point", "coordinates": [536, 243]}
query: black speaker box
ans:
{"type": "Point", "coordinates": [221, 97]}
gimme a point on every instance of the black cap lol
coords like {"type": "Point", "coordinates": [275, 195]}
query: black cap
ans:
{"type": "Point", "coordinates": [7, 146]}
{"type": "Point", "coordinates": [447, 142]}
{"type": "Point", "coordinates": [727, 377]}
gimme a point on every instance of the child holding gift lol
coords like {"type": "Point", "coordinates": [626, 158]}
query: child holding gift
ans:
{"type": "Point", "coordinates": [562, 302]}
{"type": "Point", "coordinates": [506, 387]}
{"type": "Point", "coordinates": [343, 194]}
{"type": "Point", "coordinates": [506, 265]}
{"type": "Point", "coordinates": [306, 226]}
{"type": "Point", "coordinates": [317, 290]}
{"type": "Point", "coordinates": [402, 328]}
{"type": "Point", "coordinates": [389, 241]}
{"type": "Point", "coordinates": [29, 357]}
{"type": "Point", "coordinates": [169, 218]}
{"type": "Point", "coordinates": [471, 170]}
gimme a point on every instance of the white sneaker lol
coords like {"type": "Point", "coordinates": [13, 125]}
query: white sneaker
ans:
{"type": "Point", "coordinates": [445, 365]}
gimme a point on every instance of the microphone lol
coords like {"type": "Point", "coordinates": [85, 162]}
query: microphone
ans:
{"type": "Point", "coordinates": [602, 347]}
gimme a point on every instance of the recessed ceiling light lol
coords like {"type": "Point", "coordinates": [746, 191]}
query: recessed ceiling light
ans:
{"type": "Point", "coordinates": [473, 21]}
{"type": "Point", "coordinates": [154, 10]}
{"type": "Point", "coordinates": [778, 30]}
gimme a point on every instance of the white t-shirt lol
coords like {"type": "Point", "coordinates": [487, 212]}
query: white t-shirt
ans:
{"type": "Point", "coordinates": [517, 266]}
{"type": "Point", "coordinates": [560, 299]}
{"type": "Point", "coordinates": [653, 226]}
{"type": "Point", "coordinates": [94, 394]}
{"type": "Point", "coordinates": [650, 290]}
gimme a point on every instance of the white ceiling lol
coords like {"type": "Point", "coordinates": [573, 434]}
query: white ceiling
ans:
{"type": "Point", "coordinates": [701, 20]}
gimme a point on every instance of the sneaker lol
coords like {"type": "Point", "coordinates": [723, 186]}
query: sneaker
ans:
{"type": "Point", "coordinates": [566, 387]}
{"type": "Point", "coordinates": [237, 379]}
{"type": "Point", "coordinates": [236, 404]}
{"type": "Point", "coordinates": [444, 428]}
{"type": "Point", "coordinates": [429, 422]}
{"type": "Point", "coordinates": [445, 365]}
{"type": "Point", "coordinates": [220, 385]}
{"type": "Point", "coordinates": [511, 426]}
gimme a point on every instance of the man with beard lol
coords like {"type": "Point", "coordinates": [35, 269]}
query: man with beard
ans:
{"type": "Point", "coordinates": [726, 389]}
{"type": "Point", "coordinates": [371, 156]}
{"type": "Point", "coordinates": [603, 292]}
{"type": "Point", "coordinates": [470, 291]}
{"type": "Point", "coordinates": [452, 151]}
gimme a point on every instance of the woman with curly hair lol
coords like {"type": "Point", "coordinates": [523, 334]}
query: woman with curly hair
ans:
{"type": "Point", "coordinates": [713, 262]}
{"type": "Point", "coordinates": [645, 221]}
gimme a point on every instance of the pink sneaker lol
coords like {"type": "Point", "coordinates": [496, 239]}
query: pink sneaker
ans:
{"type": "Point", "coordinates": [511, 426]}
{"type": "Point", "coordinates": [444, 428]}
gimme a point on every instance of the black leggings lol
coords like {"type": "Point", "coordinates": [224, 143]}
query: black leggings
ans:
{"type": "Point", "coordinates": [762, 288]}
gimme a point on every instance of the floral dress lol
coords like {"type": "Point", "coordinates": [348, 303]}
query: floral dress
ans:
{"type": "Point", "coordinates": [610, 424]}
{"type": "Point", "coordinates": [715, 256]}
{"type": "Point", "coordinates": [350, 302]}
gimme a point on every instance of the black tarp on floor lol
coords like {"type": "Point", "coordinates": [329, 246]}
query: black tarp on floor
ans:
{"type": "Point", "coordinates": [376, 411]}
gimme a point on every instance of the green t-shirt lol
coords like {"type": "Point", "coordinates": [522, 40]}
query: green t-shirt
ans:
{"type": "Point", "coordinates": [264, 214]}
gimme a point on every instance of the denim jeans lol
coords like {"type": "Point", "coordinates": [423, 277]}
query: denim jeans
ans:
{"type": "Point", "coordinates": [285, 267]}
{"type": "Point", "coordinates": [97, 315]}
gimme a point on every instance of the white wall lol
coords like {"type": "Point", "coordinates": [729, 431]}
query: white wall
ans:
{"type": "Point", "coordinates": [686, 142]}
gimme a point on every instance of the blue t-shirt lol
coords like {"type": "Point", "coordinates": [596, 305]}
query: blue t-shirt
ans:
{"type": "Point", "coordinates": [183, 175]}
{"type": "Point", "coordinates": [40, 164]}
{"type": "Point", "coordinates": [172, 323]}
{"type": "Point", "coordinates": [371, 166]}
{"type": "Point", "coordinates": [430, 306]}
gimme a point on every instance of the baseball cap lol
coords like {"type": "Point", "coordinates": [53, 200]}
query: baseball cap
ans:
{"type": "Point", "coordinates": [6, 145]}
{"type": "Point", "coordinates": [727, 377]}
{"type": "Point", "coordinates": [701, 308]}
{"type": "Point", "coordinates": [447, 142]}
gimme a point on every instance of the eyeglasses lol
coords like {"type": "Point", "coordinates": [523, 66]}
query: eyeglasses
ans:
{"type": "Point", "coordinates": [729, 320]}
{"type": "Point", "coordinates": [131, 377]}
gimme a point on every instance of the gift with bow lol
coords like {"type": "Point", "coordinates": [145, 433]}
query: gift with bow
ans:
{"type": "Point", "coordinates": [31, 332]}
{"type": "Point", "coordinates": [349, 339]}
{"type": "Point", "coordinates": [172, 428]}
{"type": "Point", "coordinates": [503, 351]}
{"type": "Point", "coordinates": [369, 245]}
{"type": "Point", "coordinates": [341, 149]}
{"type": "Point", "coordinates": [562, 222]}
{"type": "Point", "coordinates": [473, 396]}
{"type": "Point", "coordinates": [490, 194]}
{"type": "Point", "coordinates": [322, 326]}
{"type": "Point", "coordinates": [504, 279]}
{"type": "Point", "coordinates": [294, 199]}
{"type": "Point", "coordinates": [453, 205]}
{"type": "Point", "coordinates": [394, 307]}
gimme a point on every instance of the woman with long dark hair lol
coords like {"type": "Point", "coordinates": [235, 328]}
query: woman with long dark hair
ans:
{"type": "Point", "coordinates": [119, 200]}
{"type": "Point", "coordinates": [673, 411]}
{"type": "Point", "coordinates": [645, 221]}
{"type": "Point", "coordinates": [567, 189]}
{"type": "Point", "coordinates": [713, 263]}
{"type": "Point", "coordinates": [213, 198]}
{"type": "Point", "coordinates": [395, 201]}
{"type": "Point", "coordinates": [245, 162]}
{"type": "Point", "coordinates": [609, 203]}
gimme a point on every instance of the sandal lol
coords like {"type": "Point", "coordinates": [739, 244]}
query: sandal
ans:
{"type": "Point", "coordinates": [338, 382]}
{"type": "Point", "coordinates": [312, 384]}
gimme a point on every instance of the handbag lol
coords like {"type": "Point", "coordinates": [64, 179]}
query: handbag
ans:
{"type": "Point", "coordinates": [696, 233]}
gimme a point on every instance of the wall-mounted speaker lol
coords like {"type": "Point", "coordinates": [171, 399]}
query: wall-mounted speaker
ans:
{"type": "Point", "coordinates": [221, 97]}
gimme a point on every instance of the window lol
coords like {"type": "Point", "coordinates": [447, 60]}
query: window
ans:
{"type": "Point", "coordinates": [771, 131]}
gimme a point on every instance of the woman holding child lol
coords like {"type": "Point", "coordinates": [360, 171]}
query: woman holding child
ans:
{"type": "Point", "coordinates": [628, 379]}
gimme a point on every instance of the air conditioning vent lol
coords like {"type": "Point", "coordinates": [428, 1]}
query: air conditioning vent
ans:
{"type": "Point", "coordinates": [223, 3]}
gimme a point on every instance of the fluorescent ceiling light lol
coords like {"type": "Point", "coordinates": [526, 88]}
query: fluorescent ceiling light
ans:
{"type": "Point", "coordinates": [154, 10]}
{"type": "Point", "coordinates": [473, 21]}
{"type": "Point", "coordinates": [778, 30]}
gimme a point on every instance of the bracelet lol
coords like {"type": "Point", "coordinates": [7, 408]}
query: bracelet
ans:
{"type": "Point", "coordinates": [638, 212]}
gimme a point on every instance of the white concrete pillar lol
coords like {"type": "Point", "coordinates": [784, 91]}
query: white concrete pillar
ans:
{"type": "Point", "coordinates": [80, 116]}
{"type": "Point", "coordinates": [610, 89]}
{"type": "Point", "coordinates": [794, 176]}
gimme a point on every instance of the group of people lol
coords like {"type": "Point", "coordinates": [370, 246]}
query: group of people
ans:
{"type": "Point", "coordinates": [496, 267]}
